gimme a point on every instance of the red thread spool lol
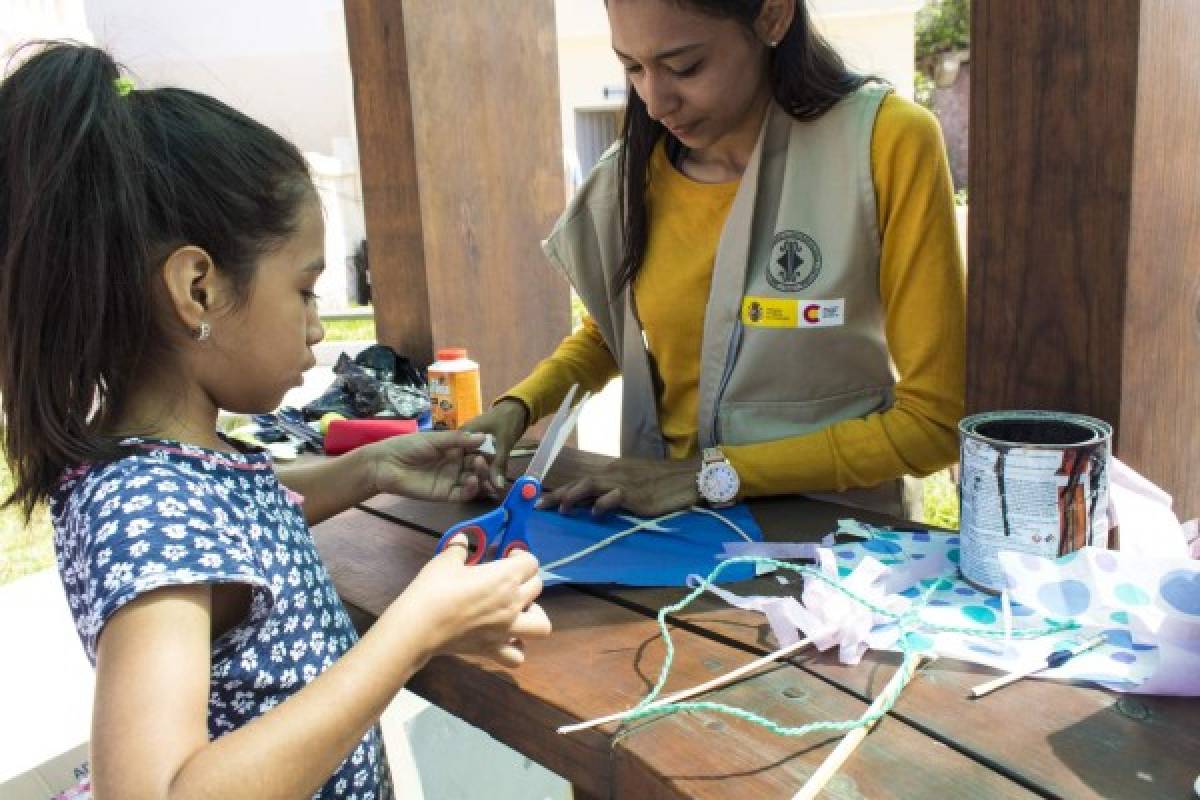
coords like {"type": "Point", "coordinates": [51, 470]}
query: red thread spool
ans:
{"type": "Point", "coordinates": [346, 434]}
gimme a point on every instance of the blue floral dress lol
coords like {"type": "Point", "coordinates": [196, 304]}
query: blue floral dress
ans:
{"type": "Point", "coordinates": [170, 514]}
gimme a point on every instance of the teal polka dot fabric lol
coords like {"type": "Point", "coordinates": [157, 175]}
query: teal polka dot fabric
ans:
{"type": "Point", "coordinates": [1147, 609]}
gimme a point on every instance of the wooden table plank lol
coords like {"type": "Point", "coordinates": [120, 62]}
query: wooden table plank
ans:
{"type": "Point", "coordinates": [602, 658]}
{"type": "Point", "coordinates": [1068, 741]}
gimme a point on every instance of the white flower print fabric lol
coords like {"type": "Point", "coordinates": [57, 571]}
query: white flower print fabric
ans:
{"type": "Point", "coordinates": [170, 514]}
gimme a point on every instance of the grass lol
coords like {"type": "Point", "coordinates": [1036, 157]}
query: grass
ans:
{"type": "Point", "coordinates": [941, 500]}
{"type": "Point", "coordinates": [24, 548]}
{"type": "Point", "coordinates": [349, 330]}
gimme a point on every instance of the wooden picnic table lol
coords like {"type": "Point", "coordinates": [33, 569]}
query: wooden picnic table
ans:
{"type": "Point", "coordinates": [1033, 739]}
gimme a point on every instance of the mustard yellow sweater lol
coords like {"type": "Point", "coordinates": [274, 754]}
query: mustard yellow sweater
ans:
{"type": "Point", "coordinates": [921, 283]}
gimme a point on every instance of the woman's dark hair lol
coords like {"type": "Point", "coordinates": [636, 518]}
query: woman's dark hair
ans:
{"type": "Point", "coordinates": [807, 78]}
{"type": "Point", "coordinates": [98, 185]}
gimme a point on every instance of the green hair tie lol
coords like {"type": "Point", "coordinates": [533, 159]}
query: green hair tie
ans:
{"type": "Point", "coordinates": [124, 86]}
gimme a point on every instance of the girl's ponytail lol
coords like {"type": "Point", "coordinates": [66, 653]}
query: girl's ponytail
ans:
{"type": "Point", "coordinates": [98, 185]}
{"type": "Point", "coordinates": [72, 230]}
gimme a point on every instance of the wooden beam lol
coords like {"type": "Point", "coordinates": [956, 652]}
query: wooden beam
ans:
{"type": "Point", "coordinates": [1084, 233]}
{"type": "Point", "coordinates": [387, 157]}
{"type": "Point", "coordinates": [461, 154]}
{"type": "Point", "coordinates": [1160, 387]}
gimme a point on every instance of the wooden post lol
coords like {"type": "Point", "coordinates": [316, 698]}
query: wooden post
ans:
{"type": "Point", "coordinates": [460, 147]}
{"type": "Point", "coordinates": [1084, 234]}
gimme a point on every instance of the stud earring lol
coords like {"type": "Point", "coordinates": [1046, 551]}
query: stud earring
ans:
{"type": "Point", "coordinates": [771, 44]}
{"type": "Point", "coordinates": [204, 332]}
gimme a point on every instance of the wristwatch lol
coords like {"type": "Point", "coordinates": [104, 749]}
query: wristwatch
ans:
{"type": "Point", "coordinates": [717, 480]}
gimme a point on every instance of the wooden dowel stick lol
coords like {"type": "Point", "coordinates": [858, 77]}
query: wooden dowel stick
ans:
{"type": "Point", "coordinates": [1003, 680]}
{"type": "Point", "coordinates": [721, 680]}
{"type": "Point", "coordinates": [1052, 661]}
{"type": "Point", "coordinates": [834, 761]}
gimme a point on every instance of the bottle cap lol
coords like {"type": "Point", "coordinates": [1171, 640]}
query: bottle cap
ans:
{"type": "Point", "coordinates": [451, 353]}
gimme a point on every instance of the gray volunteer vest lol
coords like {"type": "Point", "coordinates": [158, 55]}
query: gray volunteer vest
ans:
{"type": "Point", "coordinates": [802, 232]}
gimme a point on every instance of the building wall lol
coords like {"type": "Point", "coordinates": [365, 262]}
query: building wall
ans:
{"type": "Point", "coordinates": [282, 62]}
{"type": "Point", "coordinates": [22, 20]}
{"type": "Point", "coordinates": [879, 42]}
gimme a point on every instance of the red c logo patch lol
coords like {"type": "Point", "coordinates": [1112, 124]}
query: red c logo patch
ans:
{"type": "Point", "coordinates": [812, 314]}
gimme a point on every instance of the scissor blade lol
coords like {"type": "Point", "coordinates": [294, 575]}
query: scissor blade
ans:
{"type": "Point", "coordinates": [558, 438]}
{"type": "Point", "coordinates": [541, 457]}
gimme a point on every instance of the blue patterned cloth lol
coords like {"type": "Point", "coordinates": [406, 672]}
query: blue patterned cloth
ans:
{"type": "Point", "coordinates": [170, 514]}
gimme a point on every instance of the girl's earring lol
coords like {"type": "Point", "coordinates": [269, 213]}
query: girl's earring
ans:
{"type": "Point", "coordinates": [204, 332]}
{"type": "Point", "coordinates": [771, 44]}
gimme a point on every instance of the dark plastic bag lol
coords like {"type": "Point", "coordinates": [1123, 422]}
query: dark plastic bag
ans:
{"type": "Point", "coordinates": [377, 383]}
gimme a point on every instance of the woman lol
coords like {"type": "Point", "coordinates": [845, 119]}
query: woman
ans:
{"type": "Point", "coordinates": [769, 258]}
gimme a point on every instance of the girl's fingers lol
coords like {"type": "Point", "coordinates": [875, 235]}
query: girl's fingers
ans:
{"type": "Point", "coordinates": [532, 622]}
{"type": "Point", "coordinates": [530, 590]}
{"type": "Point", "coordinates": [456, 549]}
{"type": "Point", "coordinates": [511, 654]}
{"type": "Point", "coordinates": [468, 489]}
{"type": "Point", "coordinates": [522, 563]}
{"type": "Point", "coordinates": [479, 467]}
{"type": "Point", "coordinates": [446, 441]}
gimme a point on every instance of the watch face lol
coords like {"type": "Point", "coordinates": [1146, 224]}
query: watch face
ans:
{"type": "Point", "coordinates": [718, 483]}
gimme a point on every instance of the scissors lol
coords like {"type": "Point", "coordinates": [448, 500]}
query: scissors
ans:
{"type": "Point", "coordinates": [502, 530]}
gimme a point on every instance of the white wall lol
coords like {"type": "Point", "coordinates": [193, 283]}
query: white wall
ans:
{"type": "Point", "coordinates": [22, 20]}
{"type": "Point", "coordinates": [586, 64]}
{"type": "Point", "coordinates": [283, 62]}
{"type": "Point", "coordinates": [873, 37]}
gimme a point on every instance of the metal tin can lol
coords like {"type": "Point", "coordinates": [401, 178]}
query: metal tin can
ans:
{"type": "Point", "coordinates": [1034, 482]}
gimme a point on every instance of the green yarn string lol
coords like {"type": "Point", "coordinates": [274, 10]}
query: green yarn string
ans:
{"type": "Point", "coordinates": [907, 622]}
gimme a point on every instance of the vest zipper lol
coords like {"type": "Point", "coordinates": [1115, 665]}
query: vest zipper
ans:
{"type": "Point", "coordinates": [735, 341]}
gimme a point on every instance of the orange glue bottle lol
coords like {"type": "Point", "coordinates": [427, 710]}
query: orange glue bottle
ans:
{"type": "Point", "coordinates": [454, 391]}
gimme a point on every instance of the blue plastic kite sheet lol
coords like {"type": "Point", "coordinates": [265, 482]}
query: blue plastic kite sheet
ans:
{"type": "Point", "coordinates": [636, 551]}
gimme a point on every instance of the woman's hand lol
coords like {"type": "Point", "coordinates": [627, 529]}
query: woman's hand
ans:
{"type": "Point", "coordinates": [428, 466]}
{"type": "Point", "coordinates": [506, 421]}
{"type": "Point", "coordinates": [646, 487]}
{"type": "Point", "coordinates": [486, 609]}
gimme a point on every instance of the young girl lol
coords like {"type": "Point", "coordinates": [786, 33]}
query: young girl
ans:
{"type": "Point", "coordinates": [158, 252]}
{"type": "Point", "coordinates": [769, 259]}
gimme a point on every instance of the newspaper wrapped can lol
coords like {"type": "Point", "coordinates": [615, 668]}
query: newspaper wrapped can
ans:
{"type": "Point", "coordinates": [1034, 482]}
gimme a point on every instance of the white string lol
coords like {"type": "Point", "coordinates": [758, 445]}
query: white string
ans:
{"type": "Point", "coordinates": [606, 542]}
{"type": "Point", "coordinates": [649, 523]}
{"type": "Point", "coordinates": [724, 519]}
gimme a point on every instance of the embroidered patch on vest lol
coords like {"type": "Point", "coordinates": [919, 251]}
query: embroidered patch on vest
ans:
{"type": "Point", "coordinates": [787, 312]}
{"type": "Point", "coordinates": [794, 263]}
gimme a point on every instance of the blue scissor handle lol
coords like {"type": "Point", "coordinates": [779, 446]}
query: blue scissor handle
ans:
{"type": "Point", "coordinates": [520, 502]}
{"type": "Point", "coordinates": [480, 531]}
{"type": "Point", "coordinates": [504, 526]}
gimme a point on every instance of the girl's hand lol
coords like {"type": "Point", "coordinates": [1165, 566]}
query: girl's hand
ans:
{"type": "Point", "coordinates": [506, 421]}
{"type": "Point", "coordinates": [646, 487]}
{"type": "Point", "coordinates": [428, 466]}
{"type": "Point", "coordinates": [486, 609]}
